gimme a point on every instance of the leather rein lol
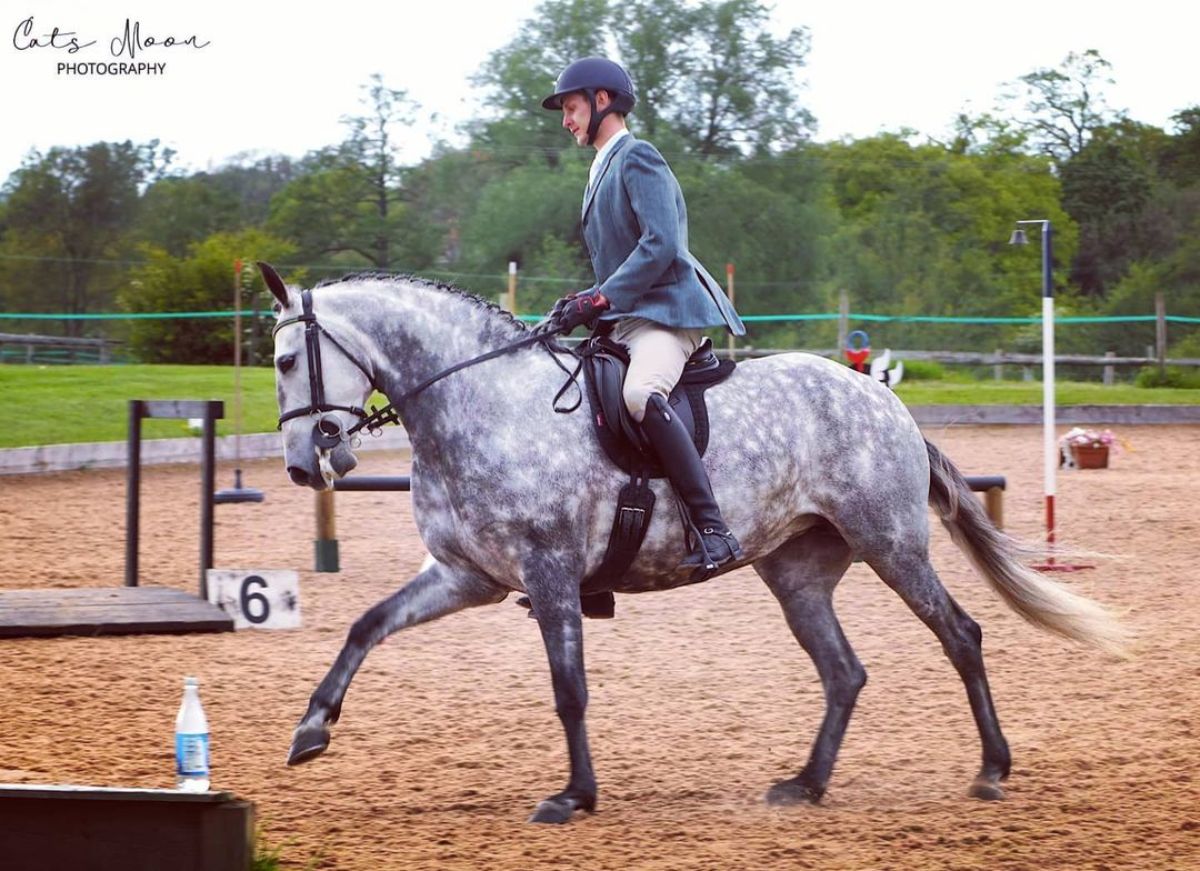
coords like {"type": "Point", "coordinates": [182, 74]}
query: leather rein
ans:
{"type": "Point", "coordinates": [327, 431]}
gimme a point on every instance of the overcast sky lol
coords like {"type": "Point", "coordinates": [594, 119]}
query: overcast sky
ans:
{"type": "Point", "coordinates": [276, 77]}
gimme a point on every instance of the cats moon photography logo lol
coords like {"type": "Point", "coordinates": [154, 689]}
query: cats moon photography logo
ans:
{"type": "Point", "coordinates": [126, 49]}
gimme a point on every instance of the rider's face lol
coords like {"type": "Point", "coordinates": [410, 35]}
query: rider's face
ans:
{"type": "Point", "coordinates": [576, 115]}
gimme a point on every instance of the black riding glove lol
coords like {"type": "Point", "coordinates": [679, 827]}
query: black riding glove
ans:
{"type": "Point", "coordinates": [576, 310]}
{"type": "Point", "coordinates": [557, 309]}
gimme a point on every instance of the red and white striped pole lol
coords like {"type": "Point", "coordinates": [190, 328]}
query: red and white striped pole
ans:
{"type": "Point", "coordinates": [1050, 452]}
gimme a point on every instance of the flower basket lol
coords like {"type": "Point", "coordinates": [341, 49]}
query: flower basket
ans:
{"type": "Point", "coordinates": [1090, 456]}
{"type": "Point", "coordinates": [1085, 449]}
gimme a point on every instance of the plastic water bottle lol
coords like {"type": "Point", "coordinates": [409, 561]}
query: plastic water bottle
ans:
{"type": "Point", "coordinates": [191, 740]}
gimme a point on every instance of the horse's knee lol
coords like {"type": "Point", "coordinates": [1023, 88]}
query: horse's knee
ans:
{"type": "Point", "coordinates": [365, 627]}
{"type": "Point", "coordinates": [848, 683]}
{"type": "Point", "coordinates": [571, 703]}
{"type": "Point", "coordinates": [373, 626]}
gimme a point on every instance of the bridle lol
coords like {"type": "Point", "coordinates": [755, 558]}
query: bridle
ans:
{"type": "Point", "coordinates": [327, 431]}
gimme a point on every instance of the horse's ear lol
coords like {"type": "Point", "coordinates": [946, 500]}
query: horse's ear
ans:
{"type": "Point", "coordinates": [274, 283]}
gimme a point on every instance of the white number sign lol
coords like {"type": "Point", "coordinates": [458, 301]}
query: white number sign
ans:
{"type": "Point", "coordinates": [257, 599]}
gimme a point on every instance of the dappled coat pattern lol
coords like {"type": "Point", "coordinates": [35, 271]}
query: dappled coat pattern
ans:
{"type": "Point", "coordinates": [816, 465]}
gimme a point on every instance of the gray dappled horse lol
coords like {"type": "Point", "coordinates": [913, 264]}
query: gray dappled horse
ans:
{"type": "Point", "coordinates": [813, 464]}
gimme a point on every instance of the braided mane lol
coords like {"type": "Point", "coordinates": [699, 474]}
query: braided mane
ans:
{"type": "Point", "coordinates": [477, 301]}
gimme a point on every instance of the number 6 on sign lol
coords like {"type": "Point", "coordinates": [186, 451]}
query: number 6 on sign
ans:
{"type": "Point", "coordinates": [257, 599]}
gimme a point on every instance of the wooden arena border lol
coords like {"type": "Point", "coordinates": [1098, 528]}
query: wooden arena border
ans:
{"type": "Point", "coordinates": [105, 829]}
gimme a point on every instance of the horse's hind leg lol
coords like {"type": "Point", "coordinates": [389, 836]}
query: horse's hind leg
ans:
{"type": "Point", "coordinates": [435, 592]}
{"type": "Point", "coordinates": [554, 590]}
{"type": "Point", "coordinates": [909, 572]}
{"type": "Point", "coordinates": [802, 574]}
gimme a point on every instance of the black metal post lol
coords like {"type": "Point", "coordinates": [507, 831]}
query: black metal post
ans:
{"type": "Point", "coordinates": [207, 484]}
{"type": "Point", "coordinates": [372, 482]}
{"type": "Point", "coordinates": [133, 483]}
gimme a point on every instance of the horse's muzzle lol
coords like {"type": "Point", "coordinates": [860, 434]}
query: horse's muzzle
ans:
{"type": "Point", "coordinates": [304, 478]}
{"type": "Point", "coordinates": [336, 463]}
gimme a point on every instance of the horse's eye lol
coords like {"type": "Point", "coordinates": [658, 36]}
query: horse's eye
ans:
{"type": "Point", "coordinates": [285, 363]}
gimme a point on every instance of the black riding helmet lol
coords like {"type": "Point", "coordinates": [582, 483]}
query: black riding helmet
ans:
{"type": "Point", "coordinates": [589, 75]}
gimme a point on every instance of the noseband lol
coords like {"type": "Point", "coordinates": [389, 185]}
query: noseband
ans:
{"type": "Point", "coordinates": [327, 431]}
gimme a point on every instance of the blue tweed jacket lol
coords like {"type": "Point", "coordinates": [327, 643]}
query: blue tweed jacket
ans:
{"type": "Point", "coordinates": [635, 229]}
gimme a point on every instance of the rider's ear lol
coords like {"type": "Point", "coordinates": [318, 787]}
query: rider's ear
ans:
{"type": "Point", "coordinates": [274, 283]}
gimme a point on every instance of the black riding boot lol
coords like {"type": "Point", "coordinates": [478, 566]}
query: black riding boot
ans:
{"type": "Point", "coordinates": [680, 460]}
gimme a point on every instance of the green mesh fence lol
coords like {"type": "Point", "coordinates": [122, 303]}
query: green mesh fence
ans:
{"type": "Point", "coordinates": [1124, 336]}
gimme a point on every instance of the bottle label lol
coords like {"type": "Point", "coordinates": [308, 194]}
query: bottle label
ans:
{"type": "Point", "coordinates": [191, 754]}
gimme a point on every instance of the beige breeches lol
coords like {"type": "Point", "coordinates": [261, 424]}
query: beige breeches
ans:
{"type": "Point", "coordinates": [657, 355]}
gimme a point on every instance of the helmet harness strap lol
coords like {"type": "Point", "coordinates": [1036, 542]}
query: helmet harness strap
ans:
{"type": "Point", "coordinates": [597, 116]}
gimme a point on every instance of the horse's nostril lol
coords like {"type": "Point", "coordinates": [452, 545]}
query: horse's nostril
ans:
{"type": "Point", "coordinates": [298, 475]}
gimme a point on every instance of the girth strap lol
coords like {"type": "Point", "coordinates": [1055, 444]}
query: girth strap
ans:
{"type": "Point", "coordinates": [635, 508]}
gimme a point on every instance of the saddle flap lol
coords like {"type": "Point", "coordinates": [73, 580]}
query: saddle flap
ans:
{"type": "Point", "coordinates": [604, 365]}
{"type": "Point", "coordinates": [608, 376]}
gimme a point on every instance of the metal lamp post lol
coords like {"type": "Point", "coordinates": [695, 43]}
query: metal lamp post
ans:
{"type": "Point", "coordinates": [1049, 441]}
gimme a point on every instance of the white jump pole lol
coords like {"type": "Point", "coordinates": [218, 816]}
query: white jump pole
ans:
{"type": "Point", "coordinates": [1049, 442]}
{"type": "Point", "coordinates": [1049, 403]}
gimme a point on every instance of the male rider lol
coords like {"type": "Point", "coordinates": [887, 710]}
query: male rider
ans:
{"type": "Point", "coordinates": [650, 290]}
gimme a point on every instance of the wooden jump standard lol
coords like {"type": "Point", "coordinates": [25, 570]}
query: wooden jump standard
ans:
{"type": "Point", "coordinates": [992, 487]}
{"type": "Point", "coordinates": [131, 609]}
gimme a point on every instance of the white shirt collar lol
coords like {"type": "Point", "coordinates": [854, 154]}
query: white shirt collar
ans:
{"type": "Point", "coordinates": [603, 152]}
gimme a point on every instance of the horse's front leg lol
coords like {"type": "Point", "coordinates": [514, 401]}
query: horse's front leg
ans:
{"type": "Point", "coordinates": [437, 591]}
{"type": "Point", "coordinates": [554, 594]}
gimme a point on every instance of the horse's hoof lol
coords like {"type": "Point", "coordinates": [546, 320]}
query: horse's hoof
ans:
{"type": "Point", "coordinates": [560, 808]}
{"type": "Point", "coordinates": [985, 790]}
{"type": "Point", "coordinates": [553, 810]}
{"type": "Point", "coordinates": [308, 742]}
{"type": "Point", "coordinates": [792, 792]}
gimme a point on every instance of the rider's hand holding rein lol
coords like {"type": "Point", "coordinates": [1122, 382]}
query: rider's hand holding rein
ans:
{"type": "Point", "coordinates": [577, 309]}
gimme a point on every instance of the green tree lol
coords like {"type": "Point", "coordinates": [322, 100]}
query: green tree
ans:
{"type": "Point", "coordinates": [741, 94]}
{"type": "Point", "coordinates": [179, 211]}
{"type": "Point", "coordinates": [924, 230]}
{"type": "Point", "coordinates": [531, 216]}
{"type": "Point", "coordinates": [652, 41]}
{"type": "Point", "coordinates": [770, 219]}
{"type": "Point", "coordinates": [254, 180]}
{"type": "Point", "coordinates": [711, 78]}
{"type": "Point", "coordinates": [1061, 108]}
{"type": "Point", "coordinates": [201, 281]}
{"type": "Point", "coordinates": [1181, 156]}
{"type": "Point", "coordinates": [516, 77]}
{"type": "Point", "coordinates": [352, 200]}
{"type": "Point", "coordinates": [1108, 188]}
{"type": "Point", "coordinates": [68, 211]}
